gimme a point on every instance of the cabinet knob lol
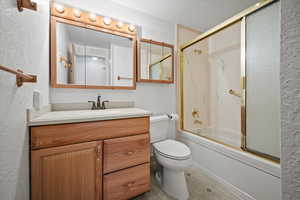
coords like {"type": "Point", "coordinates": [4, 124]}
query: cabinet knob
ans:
{"type": "Point", "coordinates": [99, 152]}
{"type": "Point", "coordinates": [130, 153]}
{"type": "Point", "coordinates": [130, 184]}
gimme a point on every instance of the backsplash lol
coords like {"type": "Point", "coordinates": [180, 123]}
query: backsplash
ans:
{"type": "Point", "coordinates": [153, 97]}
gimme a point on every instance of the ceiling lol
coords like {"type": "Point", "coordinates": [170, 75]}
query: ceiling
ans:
{"type": "Point", "coordinates": [198, 14]}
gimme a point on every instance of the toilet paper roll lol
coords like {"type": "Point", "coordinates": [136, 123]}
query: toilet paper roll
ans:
{"type": "Point", "coordinates": [158, 118]}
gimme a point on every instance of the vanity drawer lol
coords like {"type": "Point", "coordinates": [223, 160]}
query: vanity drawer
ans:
{"type": "Point", "coordinates": [127, 183]}
{"type": "Point", "coordinates": [126, 152]}
{"type": "Point", "coordinates": [63, 134]}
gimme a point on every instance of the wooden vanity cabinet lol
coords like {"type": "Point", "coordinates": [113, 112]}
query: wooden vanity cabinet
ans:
{"type": "Point", "coordinates": [92, 161]}
{"type": "Point", "coordinates": [72, 172]}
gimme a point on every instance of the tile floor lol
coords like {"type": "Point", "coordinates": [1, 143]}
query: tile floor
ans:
{"type": "Point", "coordinates": [200, 186]}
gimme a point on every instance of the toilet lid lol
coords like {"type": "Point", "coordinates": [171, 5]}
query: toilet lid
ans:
{"type": "Point", "coordinates": [172, 149]}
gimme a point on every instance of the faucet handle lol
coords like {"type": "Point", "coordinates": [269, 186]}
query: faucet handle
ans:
{"type": "Point", "coordinates": [103, 104]}
{"type": "Point", "coordinates": [93, 105]}
{"type": "Point", "coordinates": [98, 102]}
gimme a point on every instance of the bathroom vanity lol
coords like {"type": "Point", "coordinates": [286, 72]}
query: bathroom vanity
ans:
{"type": "Point", "coordinates": [94, 155]}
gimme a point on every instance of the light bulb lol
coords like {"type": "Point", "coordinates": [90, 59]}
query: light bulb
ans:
{"type": "Point", "coordinates": [107, 20]}
{"type": "Point", "coordinates": [59, 8]}
{"type": "Point", "coordinates": [92, 17]}
{"type": "Point", "coordinates": [77, 13]}
{"type": "Point", "coordinates": [131, 27]}
{"type": "Point", "coordinates": [120, 24]}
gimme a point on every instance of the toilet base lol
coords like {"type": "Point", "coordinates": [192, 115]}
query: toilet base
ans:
{"type": "Point", "coordinates": [174, 184]}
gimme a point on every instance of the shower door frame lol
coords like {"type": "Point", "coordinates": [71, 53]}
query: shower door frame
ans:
{"type": "Point", "coordinates": [240, 17]}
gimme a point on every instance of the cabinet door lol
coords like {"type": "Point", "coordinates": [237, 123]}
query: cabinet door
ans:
{"type": "Point", "coordinates": [72, 172]}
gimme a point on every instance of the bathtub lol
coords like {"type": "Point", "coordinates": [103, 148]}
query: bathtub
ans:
{"type": "Point", "coordinates": [227, 136]}
{"type": "Point", "coordinates": [246, 175]}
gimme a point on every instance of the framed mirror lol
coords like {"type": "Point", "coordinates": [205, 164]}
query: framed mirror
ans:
{"type": "Point", "coordinates": [156, 62]}
{"type": "Point", "coordinates": [85, 56]}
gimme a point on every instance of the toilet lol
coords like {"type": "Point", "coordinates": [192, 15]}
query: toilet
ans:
{"type": "Point", "coordinates": [173, 156]}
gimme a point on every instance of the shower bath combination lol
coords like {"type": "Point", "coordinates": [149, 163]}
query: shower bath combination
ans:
{"type": "Point", "coordinates": [225, 68]}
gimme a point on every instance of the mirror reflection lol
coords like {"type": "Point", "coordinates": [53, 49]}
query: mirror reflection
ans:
{"type": "Point", "coordinates": [156, 62]}
{"type": "Point", "coordinates": [93, 58]}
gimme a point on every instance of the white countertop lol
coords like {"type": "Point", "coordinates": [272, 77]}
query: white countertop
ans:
{"type": "Point", "coordinates": [62, 117]}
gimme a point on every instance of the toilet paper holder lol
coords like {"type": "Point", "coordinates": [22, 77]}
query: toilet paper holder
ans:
{"type": "Point", "coordinates": [173, 116]}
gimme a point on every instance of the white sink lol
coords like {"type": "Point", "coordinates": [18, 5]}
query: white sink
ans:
{"type": "Point", "coordinates": [99, 112]}
{"type": "Point", "coordinates": [59, 117]}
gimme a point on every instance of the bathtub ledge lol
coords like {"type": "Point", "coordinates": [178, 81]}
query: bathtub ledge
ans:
{"type": "Point", "coordinates": [241, 156]}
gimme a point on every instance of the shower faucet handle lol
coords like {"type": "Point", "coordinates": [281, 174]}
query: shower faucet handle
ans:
{"type": "Point", "coordinates": [234, 93]}
{"type": "Point", "coordinates": [196, 113]}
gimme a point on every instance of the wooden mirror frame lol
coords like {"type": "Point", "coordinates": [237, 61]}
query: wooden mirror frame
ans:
{"type": "Point", "coordinates": [67, 17]}
{"type": "Point", "coordinates": [139, 78]}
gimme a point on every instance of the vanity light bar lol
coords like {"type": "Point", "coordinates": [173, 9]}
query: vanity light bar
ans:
{"type": "Point", "coordinates": [77, 13]}
{"type": "Point", "coordinates": [62, 11]}
{"type": "Point", "coordinates": [107, 21]}
{"type": "Point", "coordinates": [59, 8]}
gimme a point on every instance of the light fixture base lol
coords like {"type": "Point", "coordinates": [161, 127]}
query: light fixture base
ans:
{"type": "Point", "coordinates": [21, 4]}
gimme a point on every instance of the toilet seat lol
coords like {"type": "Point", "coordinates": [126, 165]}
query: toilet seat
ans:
{"type": "Point", "coordinates": [172, 149]}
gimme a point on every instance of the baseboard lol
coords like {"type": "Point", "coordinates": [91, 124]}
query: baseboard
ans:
{"type": "Point", "coordinates": [236, 191]}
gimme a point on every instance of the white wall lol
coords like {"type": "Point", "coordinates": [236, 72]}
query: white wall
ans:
{"type": "Point", "coordinates": [290, 98]}
{"type": "Point", "coordinates": [157, 98]}
{"type": "Point", "coordinates": [24, 44]}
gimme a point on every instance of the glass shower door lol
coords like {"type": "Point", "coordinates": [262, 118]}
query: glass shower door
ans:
{"type": "Point", "coordinates": [211, 93]}
{"type": "Point", "coordinates": [263, 82]}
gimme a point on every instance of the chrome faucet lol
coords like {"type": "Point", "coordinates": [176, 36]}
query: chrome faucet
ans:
{"type": "Point", "coordinates": [99, 102]}
{"type": "Point", "coordinates": [99, 105]}
{"type": "Point", "coordinates": [94, 107]}
{"type": "Point", "coordinates": [103, 104]}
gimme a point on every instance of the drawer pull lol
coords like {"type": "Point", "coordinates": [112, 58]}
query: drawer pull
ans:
{"type": "Point", "coordinates": [130, 153]}
{"type": "Point", "coordinates": [130, 184]}
{"type": "Point", "coordinates": [99, 152]}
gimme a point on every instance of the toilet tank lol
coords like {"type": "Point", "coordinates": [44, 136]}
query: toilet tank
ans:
{"type": "Point", "coordinates": [159, 128]}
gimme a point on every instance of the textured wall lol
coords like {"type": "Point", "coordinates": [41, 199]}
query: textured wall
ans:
{"type": "Point", "coordinates": [24, 44]}
{"type": "Point", "coordinates": [290, 99]}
